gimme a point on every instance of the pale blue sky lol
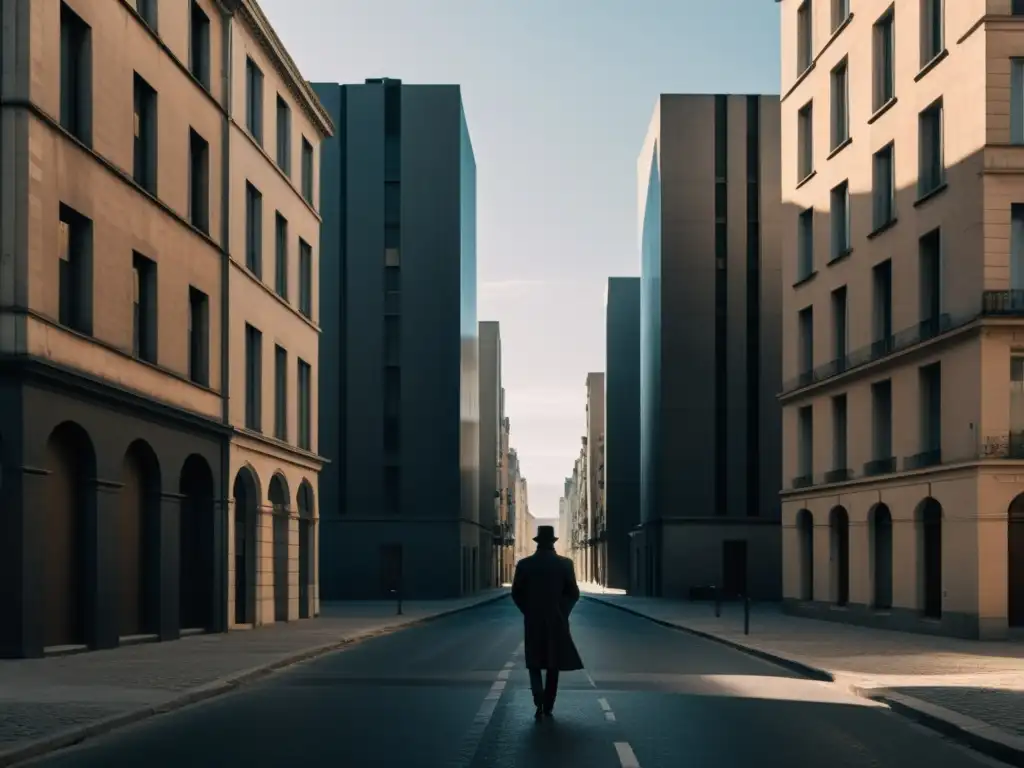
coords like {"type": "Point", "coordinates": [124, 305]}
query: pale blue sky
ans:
{"type": "Point", "coordinates": [558, 95]}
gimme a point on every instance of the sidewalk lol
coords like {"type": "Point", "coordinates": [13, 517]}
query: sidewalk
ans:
{"type": "Point", "coordinates": [969, 689]}
{"type": "Point", "coordinates": [46, 704]}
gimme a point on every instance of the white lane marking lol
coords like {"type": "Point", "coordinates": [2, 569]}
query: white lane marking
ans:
{"type": "Point", "coordinates": [626, 757]}
{"type": "Point", "coordinates": [499, 685]}
{"type": "Point", "coordinates": [609, 716]}
{"type": "Point", "coordinates": [592, 683]}
{"type": "Point", "coordinates": [605, 705]}
{"type": "Point", "coordinates": [509, 664]}
{"type": "Point", "coordinates": [503, 675]}
{"type": "Point", "coordinates": [475, 734]}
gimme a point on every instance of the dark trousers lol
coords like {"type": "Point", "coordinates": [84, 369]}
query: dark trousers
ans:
{"type": "Point", "coordinates": [544, 692]}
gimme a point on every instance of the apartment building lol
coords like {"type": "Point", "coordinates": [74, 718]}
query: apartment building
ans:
{"type": "Point", "coordinates": [622, 425]}
{"type": "Point", "coordinates": [117, 206]}
{"type": "Point", "coordinates": [578, 526]}
{"type": "Point", "coordinates": [400, 406]}
{"type": "Point", "coordinates": [708, 201]}
{"type": "Point", "coordinates": [507, 551]}
{"type": "Point", "coordinates": [903, 235]}
{"type": "Point", "coordinates": [492, 526]}
{"type": "Point", "coordinates": [595, 530]}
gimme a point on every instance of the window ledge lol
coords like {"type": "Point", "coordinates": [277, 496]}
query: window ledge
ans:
{"type": "Point", "coordinates": [931, 64]}
{"type": "Point", "coordinates": [806, 178]}
{"type": "Point", "coordinates": [806, 278]}
{"type": "Point", "coordinates": [882, 110]}
{"type": "Point", "coordinates": [840, 147]}
{"type": "Point", "coordinates": [842, 256]}
{"type": "Point", "coordinates": [883, 228]}
{"type": "Point", "coordinates": [933, 192]}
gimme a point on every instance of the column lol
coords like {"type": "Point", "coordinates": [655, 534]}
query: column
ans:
{"type": "Point", "coordinates": [23, 501]}
{"type": "Point", "coordinates": [165, 586]}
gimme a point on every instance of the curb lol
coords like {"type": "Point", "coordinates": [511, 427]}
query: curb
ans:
{"type": "Point", "coordinates": [979, 736]}
{"type": "Point", "coordinates": [976, 734]}
{"type": "Point", "coordinates": [78, 734]}
{"type": "Point", "coordinates": [799, 667]}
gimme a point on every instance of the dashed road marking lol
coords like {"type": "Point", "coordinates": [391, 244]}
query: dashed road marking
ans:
{"type": "Point", "coordinates": [503, 675]}
{"type": "Point", "coordinates": [509, 664]}
{"type": "Point", "coordinates": [608, 714]}
{"type": "Point", "coordinates": [627, 759]}
{"type": "Point", "coordinates": [475, 734]}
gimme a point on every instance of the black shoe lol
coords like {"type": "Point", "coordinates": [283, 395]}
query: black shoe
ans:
{"type": "Point", "coordinates": [548, 712]}
{"type": "Point", "coordinates": [539, 714]}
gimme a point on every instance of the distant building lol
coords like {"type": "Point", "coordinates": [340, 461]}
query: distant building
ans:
{"type": "Point", "coordinates": [710, 347]}
{"type": "Point", "coordinates": [399, 409]}
{"type": "Point", "coordinates": [594, 562]}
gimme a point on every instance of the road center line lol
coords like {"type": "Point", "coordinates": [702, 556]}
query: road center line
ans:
{"type": "Point", "coordinates": [626, 757]}
{"type": "Point", "coordinates": [605, 705]}
{"type": "Point", "coordinates": [475, 734]}
{"type": "Point", "coordinates": [503, 675]}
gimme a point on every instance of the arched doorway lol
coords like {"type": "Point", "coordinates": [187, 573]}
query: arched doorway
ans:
{"type": "Point", "coordinates": [805, 552]}
{"type": "Point", "coordinates": [195, 563]}
{"type": "Point", "coordinates": [880, 519]}
{"type": "Point", "coordinates": [307, 572]}
{"type": "Point", "coordinates": [138, 541]}
{"type": "Point", "coordinates": [279, 497]}
{"type": "Point", "coordinates": [71, 498]}
{"type": "Point", "coordinates": [246, 494]}
{"type": "Point", "coordinates": [929, 522]}
{"type": "Point", "coordinates": [1015, 563]}
{"type": "Point", "coordinates": [839, 539]}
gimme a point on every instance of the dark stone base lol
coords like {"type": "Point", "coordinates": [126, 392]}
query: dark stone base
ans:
{"type": "Point", "coordinates": [963, 625]}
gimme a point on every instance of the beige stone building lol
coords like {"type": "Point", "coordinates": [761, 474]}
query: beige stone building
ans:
{"type": "Point", "coordinates": [123, 307]}
{"type": "Point", "coordinates": [903, 285]}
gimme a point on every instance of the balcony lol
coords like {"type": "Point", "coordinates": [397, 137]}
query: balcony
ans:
{"type": "Point", "coordinates": [838, 475]}
{"type": "Point", "coordinates": [880, 466]}
{"type": "Point", "coordinates": [930, 458]}
{"type": "Point", "coordinates": [803, 481]}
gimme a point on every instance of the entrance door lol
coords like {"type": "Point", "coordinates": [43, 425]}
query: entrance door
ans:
{"type": "Point", "coordinates": [734, 567]}
{"type": "Point", "coordinates": [1015, 537]}
{"type": "Point", "coordinates": [390, 568]}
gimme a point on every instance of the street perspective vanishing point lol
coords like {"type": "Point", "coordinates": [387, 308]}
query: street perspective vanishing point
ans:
{"type": "Point", "coordinates": [279, 277]}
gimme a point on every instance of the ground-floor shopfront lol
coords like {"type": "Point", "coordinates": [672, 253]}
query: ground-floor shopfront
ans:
{"type": "Point", "coordinates": [111, 530]}
{"type": "Point", "coordinates": [938, 551]}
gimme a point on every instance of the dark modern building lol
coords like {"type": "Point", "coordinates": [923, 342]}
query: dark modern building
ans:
{"type": "Point", "coordinates": [399, 397]}
{"type": "Point", "coordinates": [710, 348]}
{"type": "Point", "coordinates": [621, 425]}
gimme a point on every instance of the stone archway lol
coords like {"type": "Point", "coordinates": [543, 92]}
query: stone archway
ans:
{"type": "Point", "coordinates": [138, 542]}
{"type": "Point", "coordinates": [307, 533]}
{"type": "Point", "coordinates": [195, 564]}
{"type": "Point", "coordinates": [839, 541]}
{"type": "Point", "coordinates": [1015, 562]}
{"type": "Point", "coordinates": [805, 553]}
{"type": "Point", "coordinates": [71, 499]}
{"type": "Point", "coordinates": [247, 499]}
{"type": "Point", "coordinates": [880, 521]}
{"type": "Point", "coordinates": [279, 499]}
{"type": "Point", "coordinates": [928, 516]}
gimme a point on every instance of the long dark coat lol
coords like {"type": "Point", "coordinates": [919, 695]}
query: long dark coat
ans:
{"type": "Point", "coordinates": [545, 590]}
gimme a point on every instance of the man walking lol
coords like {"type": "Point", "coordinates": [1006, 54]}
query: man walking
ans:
{"type": "Point", "coordinates": [544, 589]}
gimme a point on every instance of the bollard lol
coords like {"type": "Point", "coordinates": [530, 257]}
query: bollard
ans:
{"type": "Point", "coordinates": [746, 615]}
{"type": "Point", "coordinates": [398, 598]}
{"type": "Point", "coordinates": [718, 602]}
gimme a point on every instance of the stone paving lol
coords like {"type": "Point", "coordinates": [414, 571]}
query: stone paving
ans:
{"type": "Point", "coordinates": [41, 697]}
{"type": "Point", "coordinates": [983, 680]}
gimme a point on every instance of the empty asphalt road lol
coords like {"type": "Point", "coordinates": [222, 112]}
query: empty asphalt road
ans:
{"type": "Point", "coordinates": [453, 694]}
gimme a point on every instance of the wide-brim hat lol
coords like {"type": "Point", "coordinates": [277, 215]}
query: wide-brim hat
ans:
{"type": "Point", "coordinates": [545, 534]}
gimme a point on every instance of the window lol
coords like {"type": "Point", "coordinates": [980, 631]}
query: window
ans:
{"type": "Point", "coordinates": [392, 391]}
{"type": "Point", "coordinates": [930, 272]}
{"type": "Point", "coordinates": [305, 377]}
{"type": "Point", "coordinates": [1017, 9]}
{"type": "Point", "coordinates": [253, 378]}
{"type": "Point", "coordinates": [1016, 253]}
{"type": "Point", "coordinates": [805, 348]}
{"type": "Point", "coordinates": [144, 309]}
{"type": "Point", "coordinates": [883, 47]}
{"type": "Point", "coordinates": [254, 100]}
{"type": "Point", "coordinates": [392, 490]}
{"type": "Point", "coordinates": [75, 75]}
{"type": "Point", "coordinates": [198, 181]}
{"type": "Point", "coordinates": [840, 327]}
{"type": "Point", "coordinates": [840, 220]}
{"type": "Point", "coordinates": [1017, 100]}
{"type": "Point", "coordinates": [306, 279]}
{"type": "Point", "coordinates": [804, 38]}
{"type": "Point", "coordinates": [284, 136]}
{"type": "Point", "coordinates": [883, 187]}
{"type": "Point", "coordinates": [840, 104]}
{"type": "Point", "coordinates": [392, 203]}
{"type": "Point", "coordinates": [392, 340]}
{"type": "Point", "coordinates": [392, 434]}
{"type": "Point", "coordinates": [930, 382]}
{"type": "Point", "coordinates": [881, 411]}
{"type": "Point", "coordinates": [199, 45]}
{"type": "Point", "coordinates": [931, 173]}
{"type": "Point", "coordinates": [932, 33]}
{"type": "Point", "coordinates": [145, 136]}
{"type": "Point", "coordinates": [75, 270]}
{"type": "Point", "coordinates": [392, 246]}
{"type": "Point", "coordinates": [198, 336]}
{"type": "Point", "coordinates": [805, 444]}
{"type": "Point", "coordinates": [805, 142]}
{"type": "Point", "coordinates": [253, 230]}
{"type": "Point", "coordinates": [281, 256]}
{"type": "Point", "coordinates": [280, 393]}
{"type": "Point", "coordinates": [882, 318]}
{"type": "Point", "coordinates": [840, 13]}
{"type": "Point", "coordinates": [805, 245]}
{"type": "Point", "coordinates": [147, 10]}
{"type": "Point", "coordinates": [307, 170]}
{"type": "Point", "coordinates": [839, 440]}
